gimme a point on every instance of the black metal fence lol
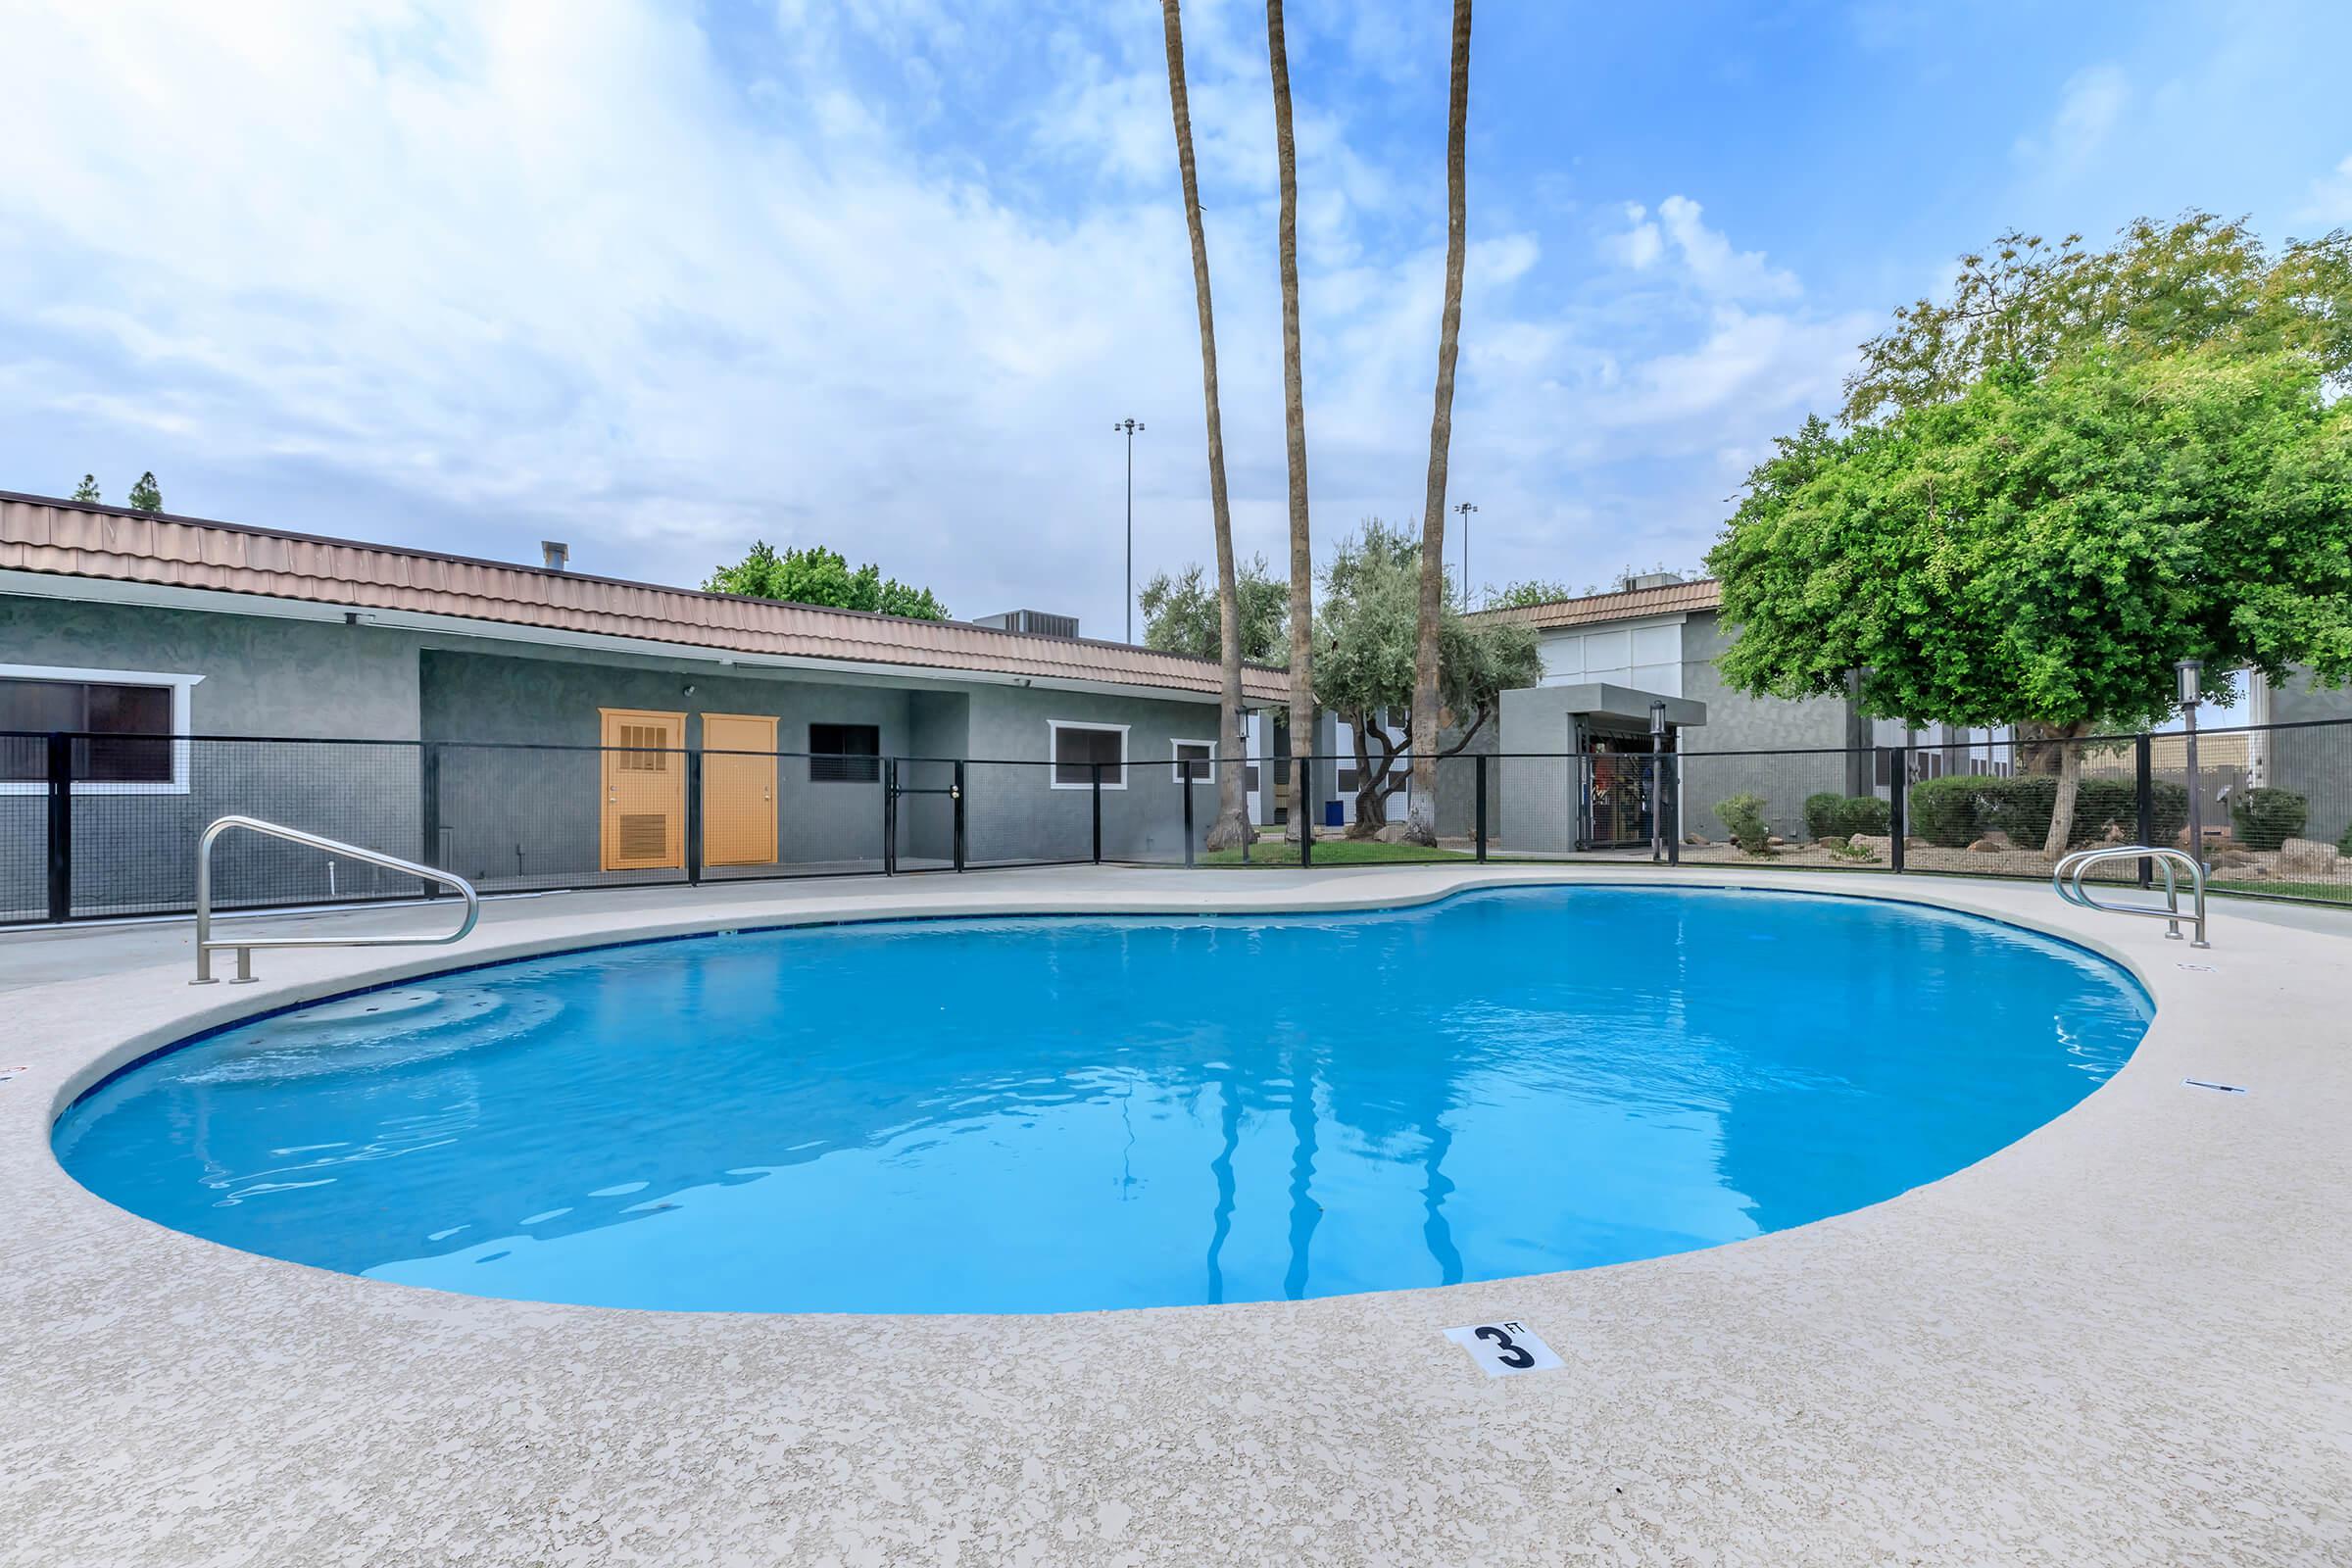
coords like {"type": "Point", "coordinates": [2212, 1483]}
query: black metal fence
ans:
{"type": "Point", "coordinates": [105, 825]}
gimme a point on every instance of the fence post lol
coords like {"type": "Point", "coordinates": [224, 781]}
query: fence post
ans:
{"type": "Point", "coordinates": [1899, 773]}
{"type": "Point", "coordinates": [890, 816]}
{"type": "Point", "coordinates": [2144, 762]}
{"type": "Point", "coordinates": [1480, 761]}
{"type": "Point", "coordinates": [1303, 794]}
{"type": "Point", "coordinates": [1097, 767]}
{"type": "Point", "coordinates": [694, 817]}
{"type": "Point", "coordinates": [1184, 782]}
{"type": "Point", "coordinates": [428, 811]}
{"type": "Point", "coordinates": [60, 826]}
{"type": "Point", "coordinates": [1670, 789]}
{"type": "Point", "coordinates": [956, 800]}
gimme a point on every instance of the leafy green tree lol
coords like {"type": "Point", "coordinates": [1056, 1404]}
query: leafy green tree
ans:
{"type": "Point", "coordinates": [1521, 595]}
{"type": "Point", "coordinates": [2162, 288]}
{"type": "Point", "coordinates": [2042, 546]}
{"type": "Point", "coordinates": [1366, 639]}
{"type": "Point", "coordinates": [815, 575]}
{"type": "Point", "coordinates": [1181, 612]}
{"type": "Point", "coordinates": [145, 496]}
{"type": "Point", "coordinates": [87, 490]}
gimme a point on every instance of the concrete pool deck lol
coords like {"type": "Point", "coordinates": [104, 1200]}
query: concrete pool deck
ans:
{"type": "Point", "coordinates": [2126, 1339]}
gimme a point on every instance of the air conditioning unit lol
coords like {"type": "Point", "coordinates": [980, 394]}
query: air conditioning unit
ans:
{"type": "Point", "coordinates": [1035, 622]}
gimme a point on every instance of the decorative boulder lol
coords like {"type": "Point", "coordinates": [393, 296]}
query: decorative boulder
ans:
{"type": "Point", "coordinates": [2307, 858]}
{"type": "Point", "coordinates": [1987, 846]}
{"type": "Point", "coordinates": [1877, 844]}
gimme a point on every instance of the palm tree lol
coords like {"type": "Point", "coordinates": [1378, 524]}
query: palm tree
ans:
{"type": "Point", "coordinates": [1232, 827]}
{"type": "Point", "coordinates": [1294, 413]}
{"type": "Point", "coordinates": [1421, 817]}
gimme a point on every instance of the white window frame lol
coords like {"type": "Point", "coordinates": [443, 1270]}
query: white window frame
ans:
{"type": "Point", "coordinates": [1054, 729]}
{"type": "Point", "coordinates": [1176, 763]}
{"type": "Point", "coordinates": [180, 686]}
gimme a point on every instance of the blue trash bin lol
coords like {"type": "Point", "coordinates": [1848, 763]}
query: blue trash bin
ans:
{"type": "Point", "coordinates": [1333, 817]}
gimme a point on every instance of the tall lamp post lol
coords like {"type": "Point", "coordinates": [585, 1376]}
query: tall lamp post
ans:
{"type": "Point", "coordinates": [1130, 427]}
{"type": "Point", "coordinates": [1464, 511]}
{"type": "Point", "coordinates": [2188, 670]}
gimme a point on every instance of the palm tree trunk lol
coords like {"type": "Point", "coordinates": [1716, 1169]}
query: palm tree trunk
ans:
{"type": "Point", "coordinates": [1294, 413]}
{"type": "Point", "coordinates": [1232, 826]}
{"type": "Point", "coordinates": [1421, 814]}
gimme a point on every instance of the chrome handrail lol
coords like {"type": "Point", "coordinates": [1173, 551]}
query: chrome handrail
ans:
{"type": "Point", "coordinates": [2065, 880]}
{"type": "Point", "coordinates": [204, 945]}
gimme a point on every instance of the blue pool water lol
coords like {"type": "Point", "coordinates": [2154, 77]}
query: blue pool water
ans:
{"type": "Point", "coordinates": [1046, 1115]}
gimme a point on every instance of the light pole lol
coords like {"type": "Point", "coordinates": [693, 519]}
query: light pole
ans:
{"type": "Point", "coordinates": [1464, 510]}
{"type": "Point", "coordinates": [2188, 670]}
{"type": "Point", "coordinates": [1130, 427]}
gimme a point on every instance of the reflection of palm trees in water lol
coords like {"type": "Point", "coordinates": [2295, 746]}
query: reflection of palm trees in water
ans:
{"type": "Point", "coordinates": [1298, 1101]}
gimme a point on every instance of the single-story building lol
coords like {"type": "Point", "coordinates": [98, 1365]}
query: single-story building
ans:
{"type": "Point", "coordinates": [534, 727]}
{"type": "Point", "coordinates": [1608, 658]}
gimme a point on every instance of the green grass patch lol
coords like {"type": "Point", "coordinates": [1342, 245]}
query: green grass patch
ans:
{"type": "Point", "coordinates": [1332, 852]}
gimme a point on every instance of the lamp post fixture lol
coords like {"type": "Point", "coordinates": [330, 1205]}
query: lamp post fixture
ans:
{"type": "Point", "coordinates": [2188, 672]}
{"type": "Point", "coordinates": [1464, 511]}
{"type": "Point", "coordinates": [1657, 781]}
{"type": "Point", "coordinates": [1130, 427]}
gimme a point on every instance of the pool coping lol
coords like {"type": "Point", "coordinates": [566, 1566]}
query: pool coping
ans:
{"type": "Point", "coordinates": [1630, 1332]}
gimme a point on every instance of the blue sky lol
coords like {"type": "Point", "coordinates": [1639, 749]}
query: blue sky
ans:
{"type": "Point", "coordinates": [662, 278]}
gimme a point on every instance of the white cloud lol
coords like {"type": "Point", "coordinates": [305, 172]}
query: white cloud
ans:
{"type": "Point", "coordinates": [1706, 259]}
{"type": "Point", "coordinates": [2089, 106]}
{"type": "Point", "coordinates": [519, 270]}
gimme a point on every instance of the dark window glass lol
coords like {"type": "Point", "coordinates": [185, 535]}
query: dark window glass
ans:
{"type": "Point", "coordinates": [1249, 778]}
{"type": "Point", "coordinates": [844, 753]}
{"type": "Point", "coordinates": [1346, 781]}
{"type": "Point", "coordinates": [1076, 751]}
{"type": "Point", "coordinates": [1191, 760]}
{"type": "Point", "coordinates": [127, 729]}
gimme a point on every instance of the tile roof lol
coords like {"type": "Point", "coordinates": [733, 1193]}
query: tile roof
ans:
{"type": "Point", "coordinates": [1628, 604]}
{"type": "Point", "coordinates": [77, 539]}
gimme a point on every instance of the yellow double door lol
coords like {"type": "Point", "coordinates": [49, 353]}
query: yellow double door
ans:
{"type": "Point", "coordinates": [645, 790]}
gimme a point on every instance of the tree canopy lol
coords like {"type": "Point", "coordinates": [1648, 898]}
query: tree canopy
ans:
{"type": "Point", "coordinates": [87, 490]}
{"type": "Point", "coordinates": [146, 495]}
{"type": "Point", "coordinates": [2162, 288]}
{"type": "Point", "coordinates": [1366, 635]}
{"type": "Point", "coordinates": [815, 575]}
{"type": "Point", "coordinates": [1181, 615]}
{"type": "Point", "coordinates": [2081, 469]}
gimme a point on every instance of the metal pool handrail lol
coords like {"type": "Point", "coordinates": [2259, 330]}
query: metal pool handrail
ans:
{"type": "Point", "coordinates": [2065, 880]}
{"type": "Point", "coordinates": [204, 945]}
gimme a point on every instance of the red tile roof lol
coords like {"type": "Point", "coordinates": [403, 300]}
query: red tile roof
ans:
{"type": "Point", "coordinates": [77, 539]}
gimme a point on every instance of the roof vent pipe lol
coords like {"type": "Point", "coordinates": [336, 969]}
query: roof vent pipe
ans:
{"type": "Point", "coordinates": [556, 553]}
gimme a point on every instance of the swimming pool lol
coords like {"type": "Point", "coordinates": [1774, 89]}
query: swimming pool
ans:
{"type": "Point", "coordinates": [1082, 1112]}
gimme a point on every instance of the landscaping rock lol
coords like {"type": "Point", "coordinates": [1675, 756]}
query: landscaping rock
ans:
{"type": "Point", "coordinates": [1987, 846]}
{"type": "Point", "coordinates": [2307, 858]}
{"type": "Point", "coordinates": [1394, 833]}
{"type": "Point", "coordinates": [1775, 842]}
{"type": "Point", "coordinates": [1877, 844]}
{"type": "Point", "coordinates": [1697, 841]}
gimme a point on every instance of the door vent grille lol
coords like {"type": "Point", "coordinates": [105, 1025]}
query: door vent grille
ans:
{"type": "Point", "coordinates": [644, 836]}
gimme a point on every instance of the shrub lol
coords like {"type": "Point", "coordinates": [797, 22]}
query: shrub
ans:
{"type": "Point", "coordinates": [1821, 814]}
{"type": "Point", "coordinates": [1863, 814]}
{"type": "Point", "coordinates": [1953, 811]}
{"type": "Point", "coordinates": [1944, 810]}
{"type": "Point", "coordinates": [1743, 819]}
{"type": "Point", "coordinates": [2343, 846]}
{"type": "Point", "coordinates": [2266, 819]}
{"type": "Point", "coordinates": [1842, 816]}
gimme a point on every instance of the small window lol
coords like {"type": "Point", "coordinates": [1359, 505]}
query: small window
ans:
{"type": "Point", "coordinates": [844, 753]}
{"type": "Point", "coordinates": [1078, 749]}
{"type": "Point", "coordinates": [644, 749]}
{"type": "Point", "coordinates": [124, 728]}
{"type": "Point", "coordinates": [1346, 784]}
{"type": "Point", "coordinates": [1250, 777]}
{"type": "Point", "coordinates": [1195, 761]}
